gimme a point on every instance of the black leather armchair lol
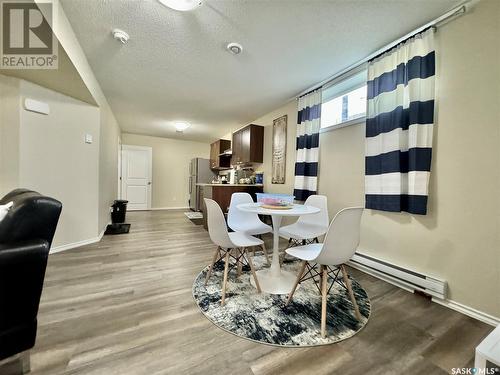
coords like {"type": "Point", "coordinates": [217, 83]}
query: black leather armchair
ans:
{"type": "Point", "coordinates": [26, 235]}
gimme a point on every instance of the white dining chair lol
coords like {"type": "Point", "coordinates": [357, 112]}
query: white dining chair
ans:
{"type": "Point", "coordinates": [229, 245]}
{"type": "Point", "coordinates": [247, 222]}
{"type": "Point", "coordinates": [340, 243]}
{"type": "Point", "coordinates": [308, 228]}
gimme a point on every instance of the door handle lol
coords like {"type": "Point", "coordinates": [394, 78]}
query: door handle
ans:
{"type": "Point", "coordinates": [149, 182]}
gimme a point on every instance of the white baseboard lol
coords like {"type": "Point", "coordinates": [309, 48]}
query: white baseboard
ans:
{"type": "Point", "coordinates": [58, 249]}
{"type": "Point", "coordinates": [464, 309]}
{"type": "Point", "coordinates": [169, 208]}
{"type": "Point", "coordinates": [469, 311]}
{"type": "Point", "coordinates": [101, 234]}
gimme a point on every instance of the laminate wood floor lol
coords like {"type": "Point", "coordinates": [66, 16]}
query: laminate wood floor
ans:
{"type": "Point", "coordinates": [124, 306]}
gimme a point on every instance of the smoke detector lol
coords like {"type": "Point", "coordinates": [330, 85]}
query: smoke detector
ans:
{"type": "Point", "coordinates": [120, 35]}
{"type": "Point", "coordinates": [234, 48]}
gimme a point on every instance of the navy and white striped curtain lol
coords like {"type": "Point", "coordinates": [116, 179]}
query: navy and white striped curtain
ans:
{"type": "Point", "coordinates": [399, 125]}
{"type": "Point", "coordinates": [307, 148]}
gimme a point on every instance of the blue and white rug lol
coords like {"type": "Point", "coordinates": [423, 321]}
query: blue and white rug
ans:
{"type": "Point", "coordinates": [265, 318]}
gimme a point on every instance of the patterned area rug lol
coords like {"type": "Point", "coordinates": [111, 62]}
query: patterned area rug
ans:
{"type": "Point", "coordinates": [265, 318]}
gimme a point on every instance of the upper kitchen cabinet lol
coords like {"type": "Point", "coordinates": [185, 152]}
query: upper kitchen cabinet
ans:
{"type": "Point", "coordinates": [218, 159]}
{"type": "Point", "coordinates": [248, 145]}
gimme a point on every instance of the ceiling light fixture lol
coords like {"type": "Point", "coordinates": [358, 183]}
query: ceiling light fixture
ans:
{"type": "Point", "coordinates": [182, 5]}
{"type": "Point", "coordinates": [181, 126]}
{"type": "Point", "coordinates": [234, 48]}
{"type": "Point", "coordinates": [120, 35]}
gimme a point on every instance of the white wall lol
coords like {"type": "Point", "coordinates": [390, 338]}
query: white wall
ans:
{"type": "Point", "coordinates": [47, 153]}
{"type": "Point", "coordinates": [56, 161]}
{"type": "Point", "coordinates": [104, 188]}
{"type": "Point", "coordinates": [9, 133]}
{"type": "Point", "coordinates": [458, 240]}
{"type": "Point", "coordinates": [82, 84]}
{"type": "Point", "coordinates": [109, 142]}
{"type": "Point", "coordinates": [171, 158]}
{"type": "Point", "coordinates": [109, 127]}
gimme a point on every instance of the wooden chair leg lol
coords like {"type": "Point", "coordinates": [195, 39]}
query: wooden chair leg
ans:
{"type": "Point", "coordinates": [347, 283]}
{"type": "Point", "coordinates": [299, 276]}
{"type": "Point", "coordinates": [214, 259]}
{"type": "Point", "coordinates": [239, 266]}
{"type": "Point", "coordinates": [320, 290]}
{"type": "Point", "coordinates": [264, 249]}
{"type": "Point", "coordinates": [250, 263]}
{"type": "Point", "coordinates": [224, 283]}
{"type": "Point", "coordinates": [324, 291]}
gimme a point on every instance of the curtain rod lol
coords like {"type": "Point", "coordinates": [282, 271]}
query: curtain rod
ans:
{"type": "Point", "coordinates": [459, 10]}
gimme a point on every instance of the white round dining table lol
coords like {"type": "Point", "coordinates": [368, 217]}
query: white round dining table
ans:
{"type": "Point", "coordinates": [274, 280]}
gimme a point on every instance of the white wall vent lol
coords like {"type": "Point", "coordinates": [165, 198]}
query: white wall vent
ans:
{"type": "Point", "coordinates": [36, 106]}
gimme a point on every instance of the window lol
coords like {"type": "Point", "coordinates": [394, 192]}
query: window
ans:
{"type": "Point", "coordinates": [344, 101]}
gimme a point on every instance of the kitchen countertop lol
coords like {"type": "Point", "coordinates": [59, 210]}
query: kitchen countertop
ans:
{"type": "Point", "coordinates": [254, 185]}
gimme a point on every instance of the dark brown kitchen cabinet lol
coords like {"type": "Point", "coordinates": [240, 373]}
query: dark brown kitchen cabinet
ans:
{"type": "Point", "coordinates": [235, 158]}
{"type": "Point", "coordinates": [217, 158]}
{"type": "Point", "coordinates": [222, 195]}
{"type": "Point", "coordinates": [214, 155]}
{"type": "Point", "coordinates": [248, 145]}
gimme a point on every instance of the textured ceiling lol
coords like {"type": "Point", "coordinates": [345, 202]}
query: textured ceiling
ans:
{"type": "Point", "coordinates": [175, 66]}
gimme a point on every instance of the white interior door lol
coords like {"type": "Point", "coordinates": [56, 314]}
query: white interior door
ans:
{"type": "Point", "coordinates": [136, 176]}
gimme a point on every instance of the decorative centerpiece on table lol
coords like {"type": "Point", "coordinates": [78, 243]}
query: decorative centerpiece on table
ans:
{"type": "Point", "coordinates": [275, 201]}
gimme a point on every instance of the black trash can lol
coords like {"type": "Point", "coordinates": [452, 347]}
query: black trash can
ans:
{"type": "Point", "coordinates": [119, 210]}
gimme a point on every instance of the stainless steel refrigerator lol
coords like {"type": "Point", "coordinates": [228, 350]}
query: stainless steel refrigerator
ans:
{"type": "Point", "coordinates": [199, 172]}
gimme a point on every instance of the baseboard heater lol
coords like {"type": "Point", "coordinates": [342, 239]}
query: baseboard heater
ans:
{"type": "Point", "coordinates": [399, 276]}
